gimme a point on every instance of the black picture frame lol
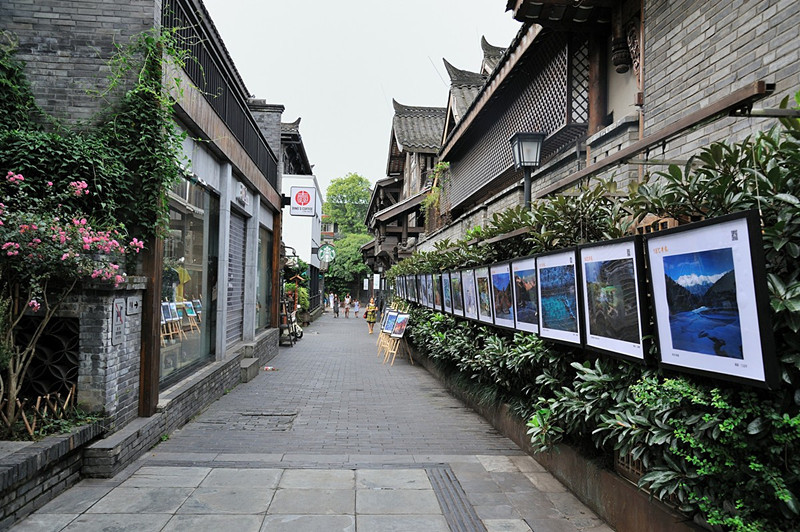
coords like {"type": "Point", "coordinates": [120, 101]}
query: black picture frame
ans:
{"type": "Point", "coordinates": [457, 294]}
{"type": "Point", "coordinates": [502, 294]}
{"type": "Point", "coordinates": [429, 290]}
{"type": "Point", "coordinates": [470, 292]}
{"type": "Point", "coordinates": [447, 297]}
{"type": "Point", "coordinates": [400, 325]}
{"type": "Point", "coordinates": [388, 323]}
{"type": "Point", "coordinates": [526, 294]}
{"type": "Point", "coordinates": [558, 280]}
{"type": "Point", "coordinates": [710, 300]}
{"type": "Point", "coordinates": [437, 292]}
{"type": "Point", "coordinates": [614, 298]}
{"type": "Point", "coordinates": [483, 286]}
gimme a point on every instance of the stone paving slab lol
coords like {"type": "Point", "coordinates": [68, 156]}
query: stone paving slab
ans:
{"type": "Point", "coordinates": [333, 441]}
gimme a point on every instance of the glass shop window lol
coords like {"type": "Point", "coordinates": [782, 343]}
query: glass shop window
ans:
{"type": "Point", "coordinates": [264, 288]}
{"type": "Point", "coordinates": [189, 282]}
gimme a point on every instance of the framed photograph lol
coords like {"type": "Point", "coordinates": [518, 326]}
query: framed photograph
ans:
{"type": "Point", "coordinates": [176, 313]}
{"type": "Point", "coordinates": [429, 286]}
{"type": "Point", "coordinates": [526, 296]}
{"type": "Point", "coordinates": [558, 296]}
{"type": "Point", "coordinates": [709, 292]}
{"type": "Point", "coordinates": [614, 298]}
{"type": "Point", "coordinates": [198, 305]}
{"type": "Point", "coordinates": [470, 294]}
{"type": "Point", "coordinates": [502, 295]}
{"type": "Point", "coordinates": [165, 313]}
{"type": "Point", "coordinates": [423, 289]}
{"type": "Point", "coordinates": [457, 293]}
{"type": "Point", "coordinates": [411, 284]}
{"type": "Point", "coordinates": [400, 325]}
{"type": "Point", "coordinates": [437, 292]}
{"type": "Point", "coordinates": [388, 324]}
{"type": "Point", "coordinates": [447, 297]}
{"type": "Point", "coordinates": [190, 309]}
{"type": "Point", "coordinates": [483, 288]}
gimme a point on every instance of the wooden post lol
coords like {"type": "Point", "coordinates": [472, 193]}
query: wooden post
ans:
{"type": "Point", "coordinates": [150, 358]}
{"type": "Point", "coordinates": [597, 83]}
{"type": "Point", "coordinates": [276, 268]}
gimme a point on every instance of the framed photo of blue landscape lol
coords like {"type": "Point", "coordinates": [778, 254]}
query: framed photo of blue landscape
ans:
{"type": "Point", "coordinates": [709, 291]}
{"type": "Point", "coordinates": [456, 293]}
{"type": "Point", "coordinates": [502, 294]}
{"type": "Point", "coordinates": [559, 309]}
{"type": "Point", "coordinates": [447, 298]}
{"type": "Point", "coordinates": [526, 296]}
{"type": "Point", "coordinates": [614, 298]}
{"type": "Point", "coordinates": [429, 289]}
{"type": "Point", "coordinates": [388, 323]}
{"type": "Point", "coordinates": [483, 287]}
{"type": "Point", "coordinates": [470, 294]}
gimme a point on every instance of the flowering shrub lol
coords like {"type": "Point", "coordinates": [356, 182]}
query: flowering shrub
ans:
{"type": "Point", "coordinates": [46, 246]}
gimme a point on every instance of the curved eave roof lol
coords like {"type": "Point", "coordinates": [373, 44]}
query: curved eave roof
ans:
{"type": "Point", "coordinates": [418, 129]}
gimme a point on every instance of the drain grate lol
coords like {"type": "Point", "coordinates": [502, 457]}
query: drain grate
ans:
{"type": "Point", "coordinates": [459, 513]}
{"type": "Point", "coordinates": [255, 421]}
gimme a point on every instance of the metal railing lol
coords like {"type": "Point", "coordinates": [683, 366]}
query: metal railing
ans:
{"type": "Point", "coordinates": [208, 75]}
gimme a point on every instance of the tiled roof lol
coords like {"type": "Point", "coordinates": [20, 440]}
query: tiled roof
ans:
{"type": "Point", "coordinates": [418, 129]}
{"type": "Point", "coordinates": [464, 87]}
{"type": "Point", "coordinates": [291, 127]}
{"type": "Point", "coordinates": [491, 56]}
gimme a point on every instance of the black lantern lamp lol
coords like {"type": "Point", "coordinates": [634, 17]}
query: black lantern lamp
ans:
{"type": "Point", "coordinates": [527, 151]}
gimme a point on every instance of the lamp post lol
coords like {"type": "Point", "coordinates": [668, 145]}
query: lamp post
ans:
{"type": "Point", "coordinates": [527, 150]}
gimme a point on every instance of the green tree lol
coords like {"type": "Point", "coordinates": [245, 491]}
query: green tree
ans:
{"type": "Point", "coordinates": [348, 199]}
{"type": "Point", "coordinates": [348, 268]}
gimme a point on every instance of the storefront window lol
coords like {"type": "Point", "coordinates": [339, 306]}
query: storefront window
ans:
{"type": "Point", "coordinates": [264, 288]}
{"type": "Point", "coordinates": [189, 282]}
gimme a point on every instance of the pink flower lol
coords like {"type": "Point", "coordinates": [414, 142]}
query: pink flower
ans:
{"type": "Point", "coordinates": [137, 245]}
{"type": "Point", "coordinates": [65, 256]}
{"type": "Point", "coordinates": [49, 183]}
{"type": "Point", "coordinates": [34, 305]}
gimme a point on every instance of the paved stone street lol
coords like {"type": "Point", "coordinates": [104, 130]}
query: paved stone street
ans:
{"type": "Point", "coordinates": [331, 440]}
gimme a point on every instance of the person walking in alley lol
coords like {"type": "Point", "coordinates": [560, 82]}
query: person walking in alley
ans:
{"type": "Point", "coordinates": [357, 306]}
{"type": "Point", "coordinates": [371, 314]}
{"type": "Point", "coordinates": [347, 306]}
{"type": "Point", "coordinates": [335, 306]}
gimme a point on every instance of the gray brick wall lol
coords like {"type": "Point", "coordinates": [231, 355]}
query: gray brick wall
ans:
{"type": "Point", "coordinates": [697, 52]}
{"type": "Point", "coordinates": [67, 45]}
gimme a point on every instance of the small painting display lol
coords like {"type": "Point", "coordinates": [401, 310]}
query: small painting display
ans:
{"type": "Point", "coordinates": [198, 305]}
{"type": "Point", "coordinates": [526, 296]}
{"type": "Point", "coordinates": [502, 295]}
{"type": "Point", "coordinates": [166, 314]}
{"type": "Point", "coordinates": [412, 288]}
{"type": "Point", "coordinates": [429, 289]}
{"type": "Point", "coordinates": [423, 289]}
{"type": "Point", "coordinates": [710, 299]}
{"type": "Point", "coordinates": [470, 294]}
{"type": "Point", "coordinates": [558, 297]}
{"type": "Point", "coordinates": [613, 301]}
{"type": "Point", "coordinates": [483, 288]}
{"type": "Point", "coordinates": [447, 298]}
{"type": "Point", "coordinates": [190, 309]}
{"type": "Point", "coordinates": [457, 293]}
{"type": "Point", "coordinates": [437, 292]}
{"type": "Point", "coordinates": [388, 324]}
{"type": "Point", "coordinates": [400, 325]}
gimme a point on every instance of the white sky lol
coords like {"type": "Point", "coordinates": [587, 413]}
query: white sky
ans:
{"type": "Point", "coordinates": [337, 64]}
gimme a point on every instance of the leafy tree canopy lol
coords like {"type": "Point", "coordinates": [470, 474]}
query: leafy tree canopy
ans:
{"type": "Point", "coordinates": [348, 199]}
{"type": "Point", "coordinates": [348, 267]}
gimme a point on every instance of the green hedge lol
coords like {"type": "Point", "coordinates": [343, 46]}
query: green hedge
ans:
{"type": "Point", "coordinates": [727, 454]}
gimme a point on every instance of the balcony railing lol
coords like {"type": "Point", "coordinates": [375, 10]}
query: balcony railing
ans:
{"type": "Point", "coordinates": [207, 73]}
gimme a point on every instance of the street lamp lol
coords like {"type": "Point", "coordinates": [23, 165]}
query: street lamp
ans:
{"type": "Point", "coordinates": [527, 150]}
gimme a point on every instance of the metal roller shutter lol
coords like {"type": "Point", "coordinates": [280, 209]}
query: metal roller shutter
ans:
{"type": "Point", "coordinates": [236, 255]}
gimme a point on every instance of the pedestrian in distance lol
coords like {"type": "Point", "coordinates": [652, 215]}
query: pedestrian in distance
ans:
{"type": "Point", "coordinates": [335, 306]}
{"type": "Point", "coordinates": [371, 314]}
{"type": "Point", "coordinates": [357, 306]}
{"type": "Point", "coordinates": [347, 300]}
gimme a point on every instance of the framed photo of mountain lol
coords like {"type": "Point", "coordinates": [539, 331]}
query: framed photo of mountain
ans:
{"type": "Point", "coordinates": [447, 296]}
{"type": "Point", "coordinates": [437, 291]}
{"type": "Point", "coordinates": [526, 296]}
{"type": "Point", "coordinates": [483, 287]}
{"type": "Point", "coordinates": [502, 295]}
{"type": "Point", "coordinates": [559, 308]}
{"type": "Point", "coordinates": [613, 286]}
{"type": "Point", "coordinates": [400, 325]}
{"type": "Point", "coordinates": [709, 292]}
{"type": "Point", "coordinates": [470, 291]}
{"type": "Point", "coordinates": [457, 294]}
